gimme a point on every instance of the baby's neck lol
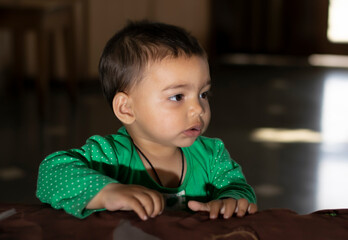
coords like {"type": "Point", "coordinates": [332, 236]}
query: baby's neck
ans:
{"type": "Point", "coordinates": [166, 165]}
{"type": "Point", "coordinates": [156, 151]}
{"type": "Point", "coordinates": [160, 153]}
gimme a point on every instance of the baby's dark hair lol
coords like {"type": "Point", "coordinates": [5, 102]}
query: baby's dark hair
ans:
{"type": "Point", "coordinates": [130, 50]}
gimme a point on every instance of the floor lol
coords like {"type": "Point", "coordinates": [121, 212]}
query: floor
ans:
{"type": "Point", "coordinates": [286, 125]}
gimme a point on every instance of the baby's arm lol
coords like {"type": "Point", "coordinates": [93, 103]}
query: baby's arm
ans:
{"type": "Point", "coordinates": [67, 181]}
{"type": "Point", "coordinates": [74, 179]}
{"type": "Point", "coordinates": [230, 192]}
{"type": "Point", "coordinates": [115, 196]}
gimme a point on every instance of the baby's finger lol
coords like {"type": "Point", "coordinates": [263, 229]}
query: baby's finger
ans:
{"type": "Point", "coordinates": [198, 206]}
{"type": "Point", "coordinates": [147, 202]}
{"type": "Point", "coordinates": [229, 206]}
{"type": "Point", "coordinates": [158, 203]}
{"type": "Point", "coordinates": [242, 205]}
{"type": "Point", "coordinates": [252, 208]}
{"type": "Point", "coordinates": [163, 204]}
{"type": "Point", "coordinates": [138, 208]}
{"type": "Point", "coordinates": [215, 207]}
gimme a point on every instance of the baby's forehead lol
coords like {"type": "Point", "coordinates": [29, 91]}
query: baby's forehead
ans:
{"type": "Point", "coordinates": [164, 62]}
{"type": "Point", "coordinates": [174, 63]}
{"type": "Point", "coordinates": [175, 71]}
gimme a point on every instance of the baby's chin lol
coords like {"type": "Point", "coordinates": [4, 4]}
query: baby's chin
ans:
{"type": "Point", "coordinates": [187, 143]}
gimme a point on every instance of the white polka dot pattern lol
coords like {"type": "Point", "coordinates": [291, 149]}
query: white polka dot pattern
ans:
{"type": "Point", "coordinates": [227, 177]}
{"type": "Point", "coordinates": [70, 179]}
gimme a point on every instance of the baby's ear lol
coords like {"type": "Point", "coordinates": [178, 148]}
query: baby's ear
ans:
{"type": "Point", "coordinates": [122, 107]}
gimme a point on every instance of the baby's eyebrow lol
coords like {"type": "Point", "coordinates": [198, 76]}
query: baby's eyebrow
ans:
{"type": "Point", "coordinates": [181, 86]}
{"type": "Point", "coordinates": [175, 86]}
{"type": "Point", "coordinates": [208, 83]}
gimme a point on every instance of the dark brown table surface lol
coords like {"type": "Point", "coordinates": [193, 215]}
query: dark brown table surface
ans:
{"type": "Point", "coordinates": [43, 222]}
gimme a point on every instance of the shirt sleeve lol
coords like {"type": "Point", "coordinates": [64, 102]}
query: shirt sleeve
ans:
{"type": "Point", "coordinates": [227, 177]}
{"type": "Point", "coordinates": [70, 179]}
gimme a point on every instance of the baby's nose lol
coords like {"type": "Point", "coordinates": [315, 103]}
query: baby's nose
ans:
{"type": "Point", "coordinates": [196, 108]}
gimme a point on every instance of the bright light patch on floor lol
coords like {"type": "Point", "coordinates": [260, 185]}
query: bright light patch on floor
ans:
{"type": "Point", "coordinates": [337, 22]}
{"type": "Point", "coordinates": [335, 110]}
{"type": "Point", "coordinates": [333, 165]}
{"type": "Point", "coordinates": [285, 135]}
{"type": "Point", "coordinates": [332, 184]}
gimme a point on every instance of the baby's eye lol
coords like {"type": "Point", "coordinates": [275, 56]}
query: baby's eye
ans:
{"type": "Point", "coordinates": [177, 97]}
{"type": "Point", "coordinates": [205, 95]}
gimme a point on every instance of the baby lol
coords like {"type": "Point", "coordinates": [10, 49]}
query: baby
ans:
{"type": "Point", "coordinates": [156, 78]}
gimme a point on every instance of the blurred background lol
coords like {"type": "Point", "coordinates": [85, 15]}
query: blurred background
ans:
{"type": "Point", "coordinates": [280, 88]}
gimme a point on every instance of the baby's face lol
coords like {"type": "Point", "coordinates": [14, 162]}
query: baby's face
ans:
{"type": "Point", "coordinates": [171, 103]}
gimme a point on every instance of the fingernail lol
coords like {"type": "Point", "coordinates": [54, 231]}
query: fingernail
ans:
{"type": "Point", "coordinates": [145, 218]}
{"type": "Point", "coordinates": [235, 211]}
{"type": "Point", "coordinates": [249, 208]}
{"type": "Point", "coordinates": [222, 211]}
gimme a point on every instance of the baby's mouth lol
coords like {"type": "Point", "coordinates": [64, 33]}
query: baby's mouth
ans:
{"type": "Point", "coordinates": [193, 132]}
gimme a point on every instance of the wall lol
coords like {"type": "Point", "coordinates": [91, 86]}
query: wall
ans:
{"type": "Point", "coordinates": [97, 20]}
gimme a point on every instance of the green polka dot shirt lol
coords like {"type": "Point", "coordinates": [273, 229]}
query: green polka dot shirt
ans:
{"type": "Point", "coordinates": [70, 179]}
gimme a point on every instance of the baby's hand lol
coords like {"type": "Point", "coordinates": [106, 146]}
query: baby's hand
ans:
{"type": "Point", "coordinates": [145, 202]}
{"type": "Point", "coordinates": [226, 207]}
